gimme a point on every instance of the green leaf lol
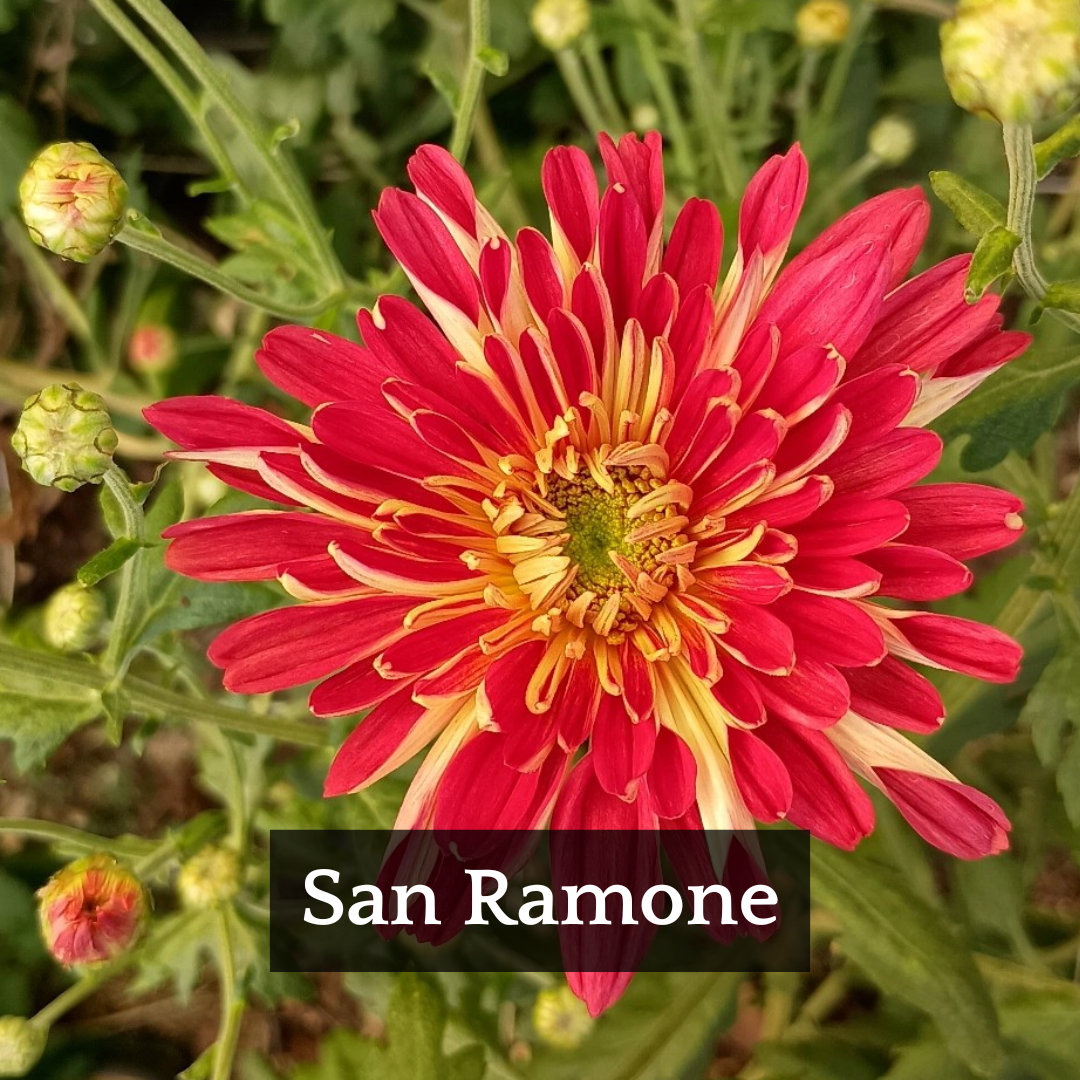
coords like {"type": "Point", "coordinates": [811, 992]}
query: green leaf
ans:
{"type": "Point", "coordinates": [825, 1057]}
{"type": "Point", "coordinates": [977, 210]}
{"type": "Point", "coordinates": [38, 725]}
{"type": "Point", "coordinates": [1013, 407]}
{"type": "Point", "coordinates": [415, 1024]}
{"type": "Point", "coordinates": [663, 1028]}
{"type": "Point", "coordinates": [190, 605]}
{"type": "Point", "coordinates": [1053, 711]}
{"type": "Point", "coordinates": [109, 561]}
{"type": "Point", "coordinates": [1064, 143]}
{"type": "Point", "coordinates": [1063, 296]}
{"type": "Point", "coordinates": [904, 945]}
{"type": "Point", "coordinates": [993, 258]}
{"type": "Point", "coordinates": [495, 61]}
{"type": "Point", "coordinates": [174, 952]}
{"type": "Point", "coordinates": [16, 149]}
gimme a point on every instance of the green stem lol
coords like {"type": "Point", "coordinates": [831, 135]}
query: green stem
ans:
{"type": "Point", "coordinates": [780, 990]}
{"type": "Point", "coordinates": [279, 168]}
{"type": "Point", "coordinates": [165, 74]}
{"type": "Point", "coordinates": [580, 91]}
{"type": "Point", "coordinates": [1023, 180]}
{"type": "Point", "coordinates": [666, 102]}
{"type": "Point", "coordinates": [158, 247]}
{"type": "Point", "coordinates": [79, 991]}
{"type": "Point", "coordinates": [66, 836]}
{"type": "Point", "coordinates": [605, 92]}
{"type": "Point", "coordinates": [60, 673]}
{"type": "Point", "coordinates": [809, 61]}
{"type": "Point", "coordinates": [232, 1005]}
{"type": "Point", "coordinates": [841, 68]}
{"type": "Point", "coordinates": [129, 601]}
{"type": "Point", "coordinates": [713, 122]}
{"type": "Point", "coordinates": [935, 9]}
{"type": "Point", "coordinates": [42, 270]}
{"type": "Point", "coordinates": [473, 83]}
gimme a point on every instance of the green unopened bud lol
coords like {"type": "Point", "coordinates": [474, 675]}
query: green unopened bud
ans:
{"type": "Point", "coordinates": [210, 877]}
{"type": "Point", "coordinates": [21, 1045]}
{"type": "Point", "coordinates": [561, 1020]}
{"type": "Point", "coordinates": [73, 200]}
{"type": "Point", "coordinates": [822, 23]}
{"type": "Point", "coordinates": [644, 117]}
{"type": "Point", "coordinates": [1017, 61]}
{"type": "Point", "coordinates": [152, 348]}
{"type": "Point", "coordinates": [74, 618]}
{"type": "Point", "coordinates": [65, 437]}
{"type": "Point", "coordinates": [91, 911]}
{"type": "Point", "coordinates": [892, 139]}
{"type": "Point", "coordinates": [557, 24]}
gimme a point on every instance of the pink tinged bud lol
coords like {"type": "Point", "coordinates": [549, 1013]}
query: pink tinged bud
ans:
{"type": "Point", "coordinates": [152, 348]}
{"type": "Point", "coordinates": [91, 911]}
{"type": "Point", "coordinates": [72, 200]}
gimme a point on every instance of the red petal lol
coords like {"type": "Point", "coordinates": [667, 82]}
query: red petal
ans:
{"type": "Point", "coordinates": [963, 520]}
{"type": "Point", "coordinates": [622, 751]}
{"type": "Point", "coordinates": [772, 202]}
{"type": "Point", "coordinates": [672, 779]}
{"type": "Point", "coordinates": [850, 525]}
{"type": "Point", "coordinates": [760, 776]}
{"type": "Point", "coordinates": [830, 629]}
{"type": "Point", "coordinates": [815, 694]}
{"type": "Point", "coordinates": [918, 573]}
{"type": "Point", "coordinates": [315, 366]}
{"type": "Point", "coordinates": [826, 799]}
{"type": "Point", "coordinates": [693, 252]}
{"type": "Point", "coordinates": [962, 645]}
{"type": "Point", "coordinates": [570, 188]}
{"type": "Point", "coordinates": [892, 694]}
{"type": "Point", "coordinates": [438, 177]}
{"type": "Point", "coordinates": [950, 815]}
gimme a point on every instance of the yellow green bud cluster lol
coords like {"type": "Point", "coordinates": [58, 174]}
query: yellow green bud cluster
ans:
{"type": "Point", "coordinates": [21, 1045]}
{"type": "Point", "coordinates": [892, 139]}
{"type": "Point", "coordinates": [65, 437]}
{"type": "Point", "coordinates": [557, 24]}
{"type": "Point", "coordinates": [72, 200]}
{"type": "Point", "coordinates": [560, 1019]}
{"type": "Point", "coordinates": [820, 24]}
{"type": "Point", "coordinates": [74, 618]}
{"type": "Point", "coordinates": [1017, 61]}
{"type": "Point", "coordinates": [210, 877]}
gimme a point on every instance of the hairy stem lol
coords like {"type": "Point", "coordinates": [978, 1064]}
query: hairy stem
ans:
{"type": "Point", "coordinates": [473, 84]}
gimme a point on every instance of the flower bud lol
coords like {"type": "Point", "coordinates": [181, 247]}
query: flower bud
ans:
{"type": "Point", "coordinates": [73, 200]}
{"type": "Point", "coordinates": [822, 23]}
{"type": "Point", "coordinates": [21, 1045]}
{"type": "Point", "coordinates": [74, 618]}
{"type": "Point", "coordinates": [91, 911]}
{"type": "Point", "coordinates": [560, 1018]}
{"type": "Point", "coordinates": [557, 24]}
{"type": "Point", "coordinates": [65, 437]}
{"type": "Point", "coordinates": [152, 348]}
{"type": "Point", "coordinates": [892, 139]}
{"type": "Point", "coordinates": [1017, 61]}
{"type": "Point", "coordinates": [210, 877]}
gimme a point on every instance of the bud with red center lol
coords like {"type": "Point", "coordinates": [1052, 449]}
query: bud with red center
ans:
{"type": "Point", "coordinates": [152, 348]}
{"type": "Point", "coordinates": [72, 200]}
{"type": "Point", "coordinates": [91, 911]}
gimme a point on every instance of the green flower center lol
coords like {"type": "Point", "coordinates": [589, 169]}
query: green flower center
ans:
{"type": "Point", "coordinates": [599, 526]}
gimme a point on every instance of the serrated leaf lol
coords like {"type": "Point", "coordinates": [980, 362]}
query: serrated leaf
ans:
{"type": "Point", "coordinates": [1052, 710]}
{"type": "Point", "coordinates": [993, 258]}
{"type": "Point", "coordinates": [37, 725]}
{"type": "Point", "coordinates": [1064, 143]}
{"type": "Point", "coordinates": [1062, 296]}
{"type": "Point", "coordinates": [174, 952]}
{"type": "Point", "coordinates": [109, 561]}
{"type": "Point", "coordinates": [906, 948]}
{"type": "Point", "coordinates": [1013, 407]}
{"type": "Point", "coordinates": [415, 1023]}
{"type": "Point", "coordinates": [977, 210]}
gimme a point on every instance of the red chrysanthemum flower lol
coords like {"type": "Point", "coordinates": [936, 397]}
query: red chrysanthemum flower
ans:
{"type": "Point", "coordinates": [614, 540]}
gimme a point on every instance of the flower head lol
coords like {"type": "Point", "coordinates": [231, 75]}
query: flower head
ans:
{"type": "Point", "coordinates": [557, 24]}
{"type": "Point", "coordinates": [560, 1019]}
{"type": "Point", "coordinates": [91, 911]}
{"type": "Point", "coordinates": [74, 618]}
{"type": "Point", "coordinates": [73, 200]}
{"type": "Point", "coordinates": [211, 876]}
{"type": "Point", "coordinates": [65, 437]}
{"type": "Point", "coordinates": [1017, 61]}
{"type": "Point", "coordinates": [602, 501]}
{"type": "Point", "coordinates": [822, 23]}
{"type": "Point", "coordinates": [892, 139]}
